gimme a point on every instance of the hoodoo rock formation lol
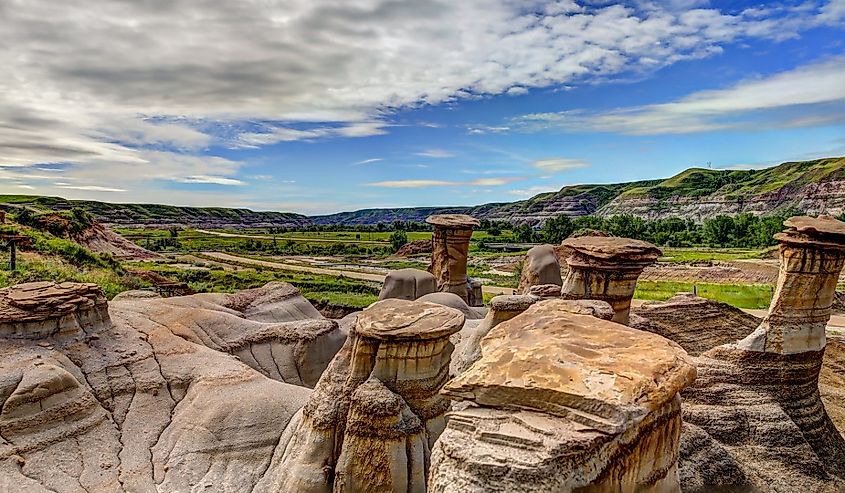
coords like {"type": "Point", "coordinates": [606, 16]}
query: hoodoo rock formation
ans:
{"type": "Point", "coordinates": [132, 396]}
{"type": "Point", "coordinates": [541, 266]}
{"type": "Point", "coordinates": [376, 412]}
{"type": "Point", "coordinates": [407, 284]}
{"type": "Point", "coordinates": [754, 419]}
{"type": "Point", "coordinates": [561, 401]}
{"type": "Point", "coordinates": [606, 268]}
{"type": "Point", "coordinates": [450, 246]}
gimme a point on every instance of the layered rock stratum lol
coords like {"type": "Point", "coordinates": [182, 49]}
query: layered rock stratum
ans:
{"type": "Point", "coordinates": [141, 395]}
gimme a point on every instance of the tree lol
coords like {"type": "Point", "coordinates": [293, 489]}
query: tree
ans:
{"type": "Point", "coordinates": [398, 239]}
{"type": "Point", "coordinates": [524, 233]}
{"type": "Point", "coordinates": [557, 229]}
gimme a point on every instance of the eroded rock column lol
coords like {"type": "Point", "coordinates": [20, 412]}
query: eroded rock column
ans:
{"type": "Point", "coordinates": [450, 247]}
{"type": "Point", "coordinates": [561, 401]}
{"type": "Point", "coordinates": [812, 253]}
{"type": "Point", "coordinates": [762, 392]}
{"type": "Point", "coordinates": [607, 269]}
{"type": "Point", "coordinates": [377, 411]}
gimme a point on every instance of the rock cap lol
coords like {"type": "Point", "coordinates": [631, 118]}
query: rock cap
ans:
{"type": "Point", "coordinates": [595, 372]}
{"type": "Point", "coordinates": [822, 230]}
{"type": "Point", "coordinates": [612, 247]}
{"type": "Point", "coordinates": [454, 221]}
{"type": "Point", "coordinates": [44, 300]}
{"type": "Point", "coordinates": [395, 319]}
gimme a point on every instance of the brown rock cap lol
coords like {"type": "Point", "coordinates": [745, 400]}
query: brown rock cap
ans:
{"type": "Point", "coordinates": [36, 301]}
{"type": "Point", "coordinates": [598, 373]}
{"type": "Point", "coordinates": [455, 221]}
{"type": "Point", "coordinates": [395, 319]}
{"type": "Point", "coordinates": [611, 247]}
{"type": "Point", "coordinates": [805, 229]}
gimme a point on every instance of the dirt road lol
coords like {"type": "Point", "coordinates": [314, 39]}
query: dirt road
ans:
{"type": "Point", "coordinates": [285, 238]}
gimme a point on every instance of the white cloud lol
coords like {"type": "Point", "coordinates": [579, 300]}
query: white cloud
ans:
{"type": "Point", "coordinates": [558, 164]}
{"type": "Point", "coordinates": [126, 93]}
{"type": "Point", "coordinates": [488, 182]}
{"type": "Point", "coordinates": [89, 188]}
{"type": "Point", "coordinates": [530, 191]}
{"type": "Point", "coordinates": [368, 161]}
{"type": "Point", "coordinates": [213, 180]}
{"type": "Point", "coordinates": [810, 95]}
{"type": "Point", "coordinates": [436, 154]}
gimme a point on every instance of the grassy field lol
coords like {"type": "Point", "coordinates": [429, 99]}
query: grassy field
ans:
{"type": "Point", "coordinates": [701, 254]}
{"type": "Point", "coordinates": [741, 296]}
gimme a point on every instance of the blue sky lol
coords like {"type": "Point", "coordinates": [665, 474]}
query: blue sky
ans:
{"type": "Point", "coordinates": [329, 105]}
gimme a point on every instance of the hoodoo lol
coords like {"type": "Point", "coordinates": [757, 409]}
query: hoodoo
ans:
{"type": "Point", "coordinates": [561, 401]}
{"type": "Point", "coordinates": [377, 411]}
{"type": "Point", "coordinates": [754, 418]}
{"type": "Point", "coordinates": [607, 269]}
{"type": "Point", "coordinates": [450, 246]}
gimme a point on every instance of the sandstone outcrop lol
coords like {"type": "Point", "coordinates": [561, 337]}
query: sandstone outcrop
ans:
{"type": "Point", "coordinates": [134, 398]}
{"type": "Point", "coordinates": [505, 307]}
{"type": "Point", "coordinates": [407, 284]}
{"type": "Point", "coordinates": [416, 247]}
{"type": "Point", "coordinates": [754, 419]}
{"type": "Point", "coordinates": [377, 411]}
{"type": "Point", "coordinates": [541, 266]}
{"type": "Point", "coordinates": [606, 268]}
{"type": "Point", "coordinates": [561, 401]}
{"type": "Point", "coordinates": [450, 246]}
{"type": "Point", "coordinates": [454, 301]}
{"type": "Point", "coordinates": [697, 324]}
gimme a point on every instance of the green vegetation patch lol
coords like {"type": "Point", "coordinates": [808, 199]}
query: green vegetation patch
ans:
{"type": "Point", "coordinates": [754, 296]}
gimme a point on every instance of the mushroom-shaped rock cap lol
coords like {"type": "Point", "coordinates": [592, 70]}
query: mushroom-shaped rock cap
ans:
{"type": "Point", "coordinates": [592, 371]}
{"type": "Point", "coordinates": [396, 319]}
{"type": "Point", "coordinates": [805, 229]}
{"type": "Point", "coordinates": [47, 300]}
{"type": "Point", "coordinates": [611, 247]}
{"type": "Point", "coordinates": [455, 221]}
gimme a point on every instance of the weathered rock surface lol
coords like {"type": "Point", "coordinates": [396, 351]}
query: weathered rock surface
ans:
{"type": "Point", "coordinates": [450, 247]}
{"type": "Point", "coordinates": [407, 284]}
{"type": "Point", "coordinates": [541, 266]}
{"type": "Point", "coordinates": [454, 301]}
{"type": "Point", "coordinates": [606, 268]}
{"type": "Point", "coordinates": [416, 247]}
{"type": "Point", "coordinates": [561, 401]}
{"type": "Point", "coordinates": [376, 412]}
{"type": "Point", "coordinates": [754, 420]}
{"type": "Point", "coordinates": [136, 399]}
{"type": "Point", "coordinates": [697, 324]}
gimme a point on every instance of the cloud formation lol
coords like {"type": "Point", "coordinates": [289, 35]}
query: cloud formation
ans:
{"type": "Point", "coordinates": [480, 182]}
{"type": "Point", "coordinates": [130, 94]}
{"type": "Point", "coordinates": [810, 95]}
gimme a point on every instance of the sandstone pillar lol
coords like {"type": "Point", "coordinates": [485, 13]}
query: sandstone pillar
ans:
{"type": "Point", "coordinates": [562, 402]}
{"type": "Point", "coordinates": [607, 269]}
{"type": "Point", "coordinates": [812, 253]}
{"type": "Point", "coordinates": [450, 246]}
{"type": "Point", "coordinates": [540, 266]}
{"type": "Point", "coordinates": [376, 412]}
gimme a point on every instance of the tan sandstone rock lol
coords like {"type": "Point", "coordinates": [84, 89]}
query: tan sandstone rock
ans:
{"type": "Point", "coordinates": [561, 401]}
{"type": "Point", "coordinates": [541, 266]}
{"type": "Point", "coordinates": [450, 246]}
{"type": "Point", "coordinates": [134, 399]}
{"type": "Point", "coordinates": [754, 419]}
{"type": "Point", "coordinates": [377, 411]}
{"type": "Point", "coordinates": [407, 284]}
{"type": "Point", "coordinates": [606, 268]}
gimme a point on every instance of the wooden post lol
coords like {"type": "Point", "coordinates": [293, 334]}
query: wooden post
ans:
{"type": "Point", "coordinates": [12, 255]}
{"type": "Point", "coordinates": [2, 217]}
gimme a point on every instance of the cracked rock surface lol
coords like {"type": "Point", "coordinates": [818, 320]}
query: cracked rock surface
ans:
{"type": "Point", "coordinates": [142, 396]}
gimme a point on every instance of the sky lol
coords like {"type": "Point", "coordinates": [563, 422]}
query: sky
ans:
{"type": "Point", "coordinates": [320, 106]}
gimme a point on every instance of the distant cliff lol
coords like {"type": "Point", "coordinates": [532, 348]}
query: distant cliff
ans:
{"type": "Point", "coordinates": [813, 187]}
{"type": "Point", "coordinates": [146, 215]}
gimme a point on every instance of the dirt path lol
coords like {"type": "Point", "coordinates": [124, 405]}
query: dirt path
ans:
{"type": "Point", "coordinates": [285, 238]}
